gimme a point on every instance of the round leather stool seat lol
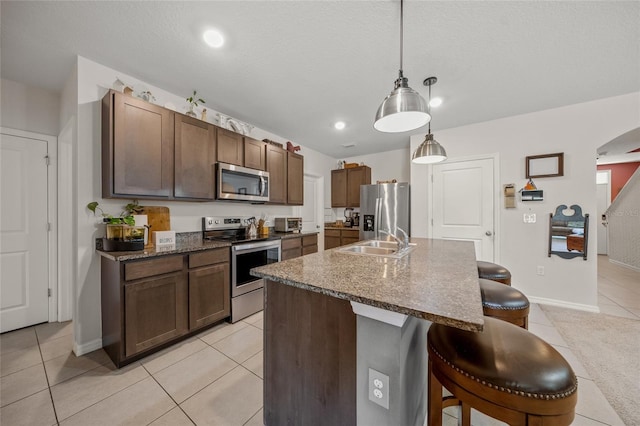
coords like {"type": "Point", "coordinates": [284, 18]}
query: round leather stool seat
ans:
{"type": "Point", "coordinates": [504, 371]}
{"type": "Point", "coordinates": [504, 302]}
{"type": "Point", "coordinates": [494, 272]}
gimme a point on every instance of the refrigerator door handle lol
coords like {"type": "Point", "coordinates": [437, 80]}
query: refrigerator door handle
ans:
{"type": "Point", "coordinates": [376, 219]}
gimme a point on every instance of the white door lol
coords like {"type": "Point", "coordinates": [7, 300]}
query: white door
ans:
{"type": "Point", "coordinates": [462, 204]}
{"type": "Point", "coordinates": [23, 228]}
{"type": "Point", "coordinates": [311, 210]}
{"type": "Point", "coordinates": [603, 194]}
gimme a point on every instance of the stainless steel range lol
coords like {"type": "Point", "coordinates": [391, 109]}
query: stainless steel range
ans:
{"type": "Point", "coordinates": [247, 295]}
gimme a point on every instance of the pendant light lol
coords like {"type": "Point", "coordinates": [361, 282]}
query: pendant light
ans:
{"type": "Point", "coordinates": [429, 151]}
{"type": "Point", "coordinates": [404, 109]}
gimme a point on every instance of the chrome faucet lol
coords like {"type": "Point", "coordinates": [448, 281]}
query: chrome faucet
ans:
{"type": "Point", "coordinates": [403, 243]}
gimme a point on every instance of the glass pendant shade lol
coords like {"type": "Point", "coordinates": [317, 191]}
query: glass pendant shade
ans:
{"type": "Point", "coordinates": [429, 152]}
{"type": "Point", "coordinates": [403, 110]}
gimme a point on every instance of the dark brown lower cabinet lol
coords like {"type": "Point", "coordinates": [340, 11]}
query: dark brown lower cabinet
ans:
{"type": "Point", "coordinates": [309, 358]}
{"type": "Point", "coordinates": [155, 311]}
{"type": "Point", "coordinates": [209, 299]}
{"type": "Point", "coordinates": [340, 237]}
{"type": "Point", "coordinates": [151, 303]}
{"type": "Point", "coordinates": [293, 247]}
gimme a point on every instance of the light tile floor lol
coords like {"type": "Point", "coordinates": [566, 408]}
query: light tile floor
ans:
{"type": "Point", "coordinates": [215, 377]}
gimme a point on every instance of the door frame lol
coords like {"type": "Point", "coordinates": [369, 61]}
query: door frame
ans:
{"type": "Point", "coordinates": [609, 201]}
{"type": "Point", "coordinates": [496, 196]}
{"type": "Point", "coordinates": [52, 211]}
{"type": "Point", "coordinates": [319, 206]}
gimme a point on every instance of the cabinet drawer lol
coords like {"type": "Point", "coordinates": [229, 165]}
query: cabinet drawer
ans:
{"type": "Point", "coordinates": [289, 243]}
{"type": "Point", "coordinates": [149, 268]}
{"type": "Point", "coordinates": [291, 253]}
{"type": "Point", "coordinates": [310, 240]}
{"type": "Point", "coordinates": [332, 233]}
{"type": "Point", "coordinates": [350, 233]}
{"type": "Point", "coordinates": [209, 257]}
{"type": "Point", "coordinates": [309, 249]}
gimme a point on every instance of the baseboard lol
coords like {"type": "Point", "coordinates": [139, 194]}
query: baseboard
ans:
{"type": "Point", "coordinates": [563, 304]}
{"type": "Point", "coordinates": [615, 262]}
{"type": "Point", "coordinates": [85, 348]}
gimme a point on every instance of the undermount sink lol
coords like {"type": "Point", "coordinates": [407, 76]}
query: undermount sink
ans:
{"type": "Point", "coordinates": [376, 248]}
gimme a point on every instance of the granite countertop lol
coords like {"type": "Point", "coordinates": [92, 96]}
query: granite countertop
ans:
{"type": "Point", "coordinates": [285, 235]}
{"type": "Point", "coordinates": [186, 246]}
{"type": "Point", "coordinates": [180, 247]}
{"type": "Point", "coordinates": [355, 228]}
{"type": "Point", "coordinates": [437, 281]}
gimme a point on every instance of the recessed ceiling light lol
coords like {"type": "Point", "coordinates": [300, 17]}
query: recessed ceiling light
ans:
{"type": "Point", "coordinates": [435, 102]}
{"type": "Point", "coordinates": [339, 125]}
{"type": "Point", "coordinates": [213, 38]}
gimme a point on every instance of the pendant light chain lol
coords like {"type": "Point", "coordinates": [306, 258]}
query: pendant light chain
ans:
{"type": "Point", "coordinates": [401, 34]}
{"type": "Point", "coordinates": [429, 107]}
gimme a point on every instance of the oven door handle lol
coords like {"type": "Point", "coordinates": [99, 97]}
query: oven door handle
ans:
{"type": "Point", "coordinates": [247, 247]}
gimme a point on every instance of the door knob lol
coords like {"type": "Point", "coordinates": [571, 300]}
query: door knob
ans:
{"type": "Point", "coordinates": [488, 233]}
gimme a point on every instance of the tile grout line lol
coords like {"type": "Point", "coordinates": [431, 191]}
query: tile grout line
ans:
{"type": "Point", "coordinates": [169, 395]}
{"type": "Point", "coordinates": [46, 376]}
{"type": "Point", "coordinates": [254, 414]}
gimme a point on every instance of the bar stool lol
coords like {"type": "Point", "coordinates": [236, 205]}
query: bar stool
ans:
{"type": "Point", "coordinates": [494, 272]}
{"type": "Point", "coordinates": [504, 302]}
{"type": "Point", "coordinates": [504, 371]}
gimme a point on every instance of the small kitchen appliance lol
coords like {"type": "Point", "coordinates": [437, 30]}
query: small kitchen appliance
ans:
{"type": "Point", "coordinates": [247, 291]}
{"type": "Point", "coordinates": [288, 224]}
{"type": "Point", "coordinates": [235, 183]}
{"type": "Point", "coordinates": [348, 217]}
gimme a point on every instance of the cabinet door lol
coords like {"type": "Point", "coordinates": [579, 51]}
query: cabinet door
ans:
{"type": "Point", "coordinates": [331, 238]}
{"type": "Point", "coordinates": [141, 151]}
{"type": "Point", "coordinates": [356, 177]}
{"type": "Point", "coordinates": [155, 311]}
{"type": "Point", "coordinates": [339, 188]}
{"type": "Point", "coordinates": [209, 297]}
{"type": "Point", "coordinates": [291, 254]}
{"type": "Point", "coordinates": [295, 179]}
{"type": "Point", "coordinates": [277, 168]}
{"type": "Point", "coordinates": [195, 157]}
{"type": "Point", "coordinates": [230, 147]}
{"type": "Point", "coordinates": [349, 236]}
{"type": "Point", "coordinates": [255, 153]}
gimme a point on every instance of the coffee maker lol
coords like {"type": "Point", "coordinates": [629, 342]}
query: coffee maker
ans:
{"type": "Point", "coordinates": [348, 217]}
{"type": "Point", "coordinates": [355, 218]}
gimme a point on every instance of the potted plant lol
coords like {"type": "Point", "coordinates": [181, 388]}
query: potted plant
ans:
{"type": "Point", "coordinates": [193, 102]}
{"type": "Point", "coordinates": [122, 227]}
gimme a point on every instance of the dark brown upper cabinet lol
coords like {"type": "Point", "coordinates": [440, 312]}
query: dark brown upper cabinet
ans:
{"type": "Point", "coordinates": [255, 153]}
{"type": "Point", "coordinates": [345, 185]}
{"type": "Point", "coordinates": [195, 158]}
{"type": "Point", "coordinates": [230, 147]}
{"type": "Point", "coordinates": [295, 179]}
{"type": "Point", "coordinates": [137, 148]}
{"type": "Point", "coordinates": [277, 168]}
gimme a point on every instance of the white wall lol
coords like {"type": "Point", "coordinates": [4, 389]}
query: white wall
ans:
{"type": "Point", "coordinates": [29, 108]}
{"type": "Point", "coordinates": [386, 165]}
{"type": "Point", "coordinates": [93, 82]}
{"type": "Point", "coordinates": [577, 130]}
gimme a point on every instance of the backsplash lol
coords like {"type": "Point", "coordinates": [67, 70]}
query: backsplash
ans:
{"type": "Point", "coordinates": [181, 238]}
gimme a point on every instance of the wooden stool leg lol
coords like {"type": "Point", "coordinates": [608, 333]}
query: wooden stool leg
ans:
{"type": "Point", "coordinates": [465, 414]}
{"type": "Point", "coordinates": [434, 405]}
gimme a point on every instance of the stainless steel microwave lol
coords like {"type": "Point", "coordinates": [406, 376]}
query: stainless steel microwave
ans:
{"type": "Point", "coordinates": [238, 183]}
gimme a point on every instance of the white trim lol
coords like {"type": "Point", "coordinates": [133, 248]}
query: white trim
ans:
{"type": "Point", "coordinates": [563, 304]}
{"type": "Point", "coordinates": [52, 211]}
{"type": "Point", "coordinates": [496, 197]}
{"type": "Point", "coordinates": [65, 221]}
{"type": "Point", "coordinates": [85, 348]}
{"type": "Point", "coordinates": [382, 315]}
{"type": "Point", "coordinates": [624, 265]}
{"type": "Point", "coordinates": [319, 207]}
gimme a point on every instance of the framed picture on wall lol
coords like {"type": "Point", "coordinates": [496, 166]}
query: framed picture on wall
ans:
{"type": "Point", "coordinates": [547, 165]}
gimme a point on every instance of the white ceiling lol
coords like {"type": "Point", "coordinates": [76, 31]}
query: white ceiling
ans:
{"type": "Point", "coordinates": [295, 67]}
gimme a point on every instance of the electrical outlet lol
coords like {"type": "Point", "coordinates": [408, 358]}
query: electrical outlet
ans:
{"type": "Point", "coordinates": [540, 270]}
{"type": "Point", "coordinates": [529, 218]}
{"type": "Point", "coordinates": [379, 388]}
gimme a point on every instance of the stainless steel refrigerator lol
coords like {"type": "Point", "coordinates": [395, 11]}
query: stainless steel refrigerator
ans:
{"type": "Point", "coordinates": [384, 207]}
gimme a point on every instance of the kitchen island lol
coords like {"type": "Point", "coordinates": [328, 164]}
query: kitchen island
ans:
{"type": "Point", "coordinates": [333, 317]}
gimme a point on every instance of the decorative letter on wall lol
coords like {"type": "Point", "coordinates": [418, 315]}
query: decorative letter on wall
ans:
{"type": "Point", "coordinates": [568, 232]}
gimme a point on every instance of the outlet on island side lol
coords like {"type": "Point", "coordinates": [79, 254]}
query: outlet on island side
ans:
{"type": "Point", "coordinates": [540, 270]}
{"type": "Point", "coordinates": [379, 388]}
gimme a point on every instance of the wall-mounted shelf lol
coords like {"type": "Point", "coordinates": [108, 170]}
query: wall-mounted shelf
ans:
{"type": "Point", "coordinates": [531, 195]}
